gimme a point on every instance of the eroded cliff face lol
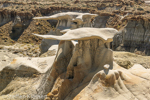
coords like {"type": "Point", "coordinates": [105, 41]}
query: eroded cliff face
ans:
{"type": "Point", "coordinates": [134, 37]}
{"type": "Point", "coordinates": [8, 15]}
{"type": "Point", "coordinates": [5, 17]}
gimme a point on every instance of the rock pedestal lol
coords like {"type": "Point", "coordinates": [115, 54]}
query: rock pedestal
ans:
{"type": "Point", "coordinates": [75, 65]}
{"type": "Point", "coordinates": [65, 20]}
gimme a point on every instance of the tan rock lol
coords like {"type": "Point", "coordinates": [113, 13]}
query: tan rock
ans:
{"type": "Point", "coordinates": [66, 20]}
{"type": "Point", "coordinates": [105, 34]}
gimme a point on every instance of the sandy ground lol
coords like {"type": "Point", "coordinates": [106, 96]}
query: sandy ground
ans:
{"type": "Point", "coordinates": [132, 58]}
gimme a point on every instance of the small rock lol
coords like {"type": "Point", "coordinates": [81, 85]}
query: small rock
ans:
{"type": "Point", "coordinates": [106, 66]}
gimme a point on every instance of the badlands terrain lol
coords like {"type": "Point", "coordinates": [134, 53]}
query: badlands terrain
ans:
{"type": "Point", "coordinates": [74, 50]}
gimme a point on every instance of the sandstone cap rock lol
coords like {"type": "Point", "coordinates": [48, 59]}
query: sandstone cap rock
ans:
{"type": "Point", "coordinates": [105, 34]}
{"type": "Point", "coordinates": [67, 15]}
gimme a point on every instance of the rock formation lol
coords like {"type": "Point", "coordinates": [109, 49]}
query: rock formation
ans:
{"type": "Point", "coordinates": [78, 71]}
{"type": "Point", "coordinates": [45, 71]}
{"type": "Point", "coordinates": [88, 55]}
{"type": "Point", "coordinates": [117, 84]}
{"type": "Point", "coordinates": [91, 73]}
{"type": "Point", "coordinates": [83, 66]}
{"type": "Point", "coordinates": [22, 77]}
{"type": "Point", "coordinates": [134, 37]}
{"type": "Point", "coordinates": [66, 20]}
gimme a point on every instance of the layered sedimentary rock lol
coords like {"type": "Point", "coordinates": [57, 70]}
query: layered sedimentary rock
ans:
{"type": "Point", "coordinates": [5, 16]}
{"type": "Point", "coordinates": [134, 37]}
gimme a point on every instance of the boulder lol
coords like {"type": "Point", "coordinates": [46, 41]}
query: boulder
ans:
{"type": "Point", "coordinates": [22, 77]}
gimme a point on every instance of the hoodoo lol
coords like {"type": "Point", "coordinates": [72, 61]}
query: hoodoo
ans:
{"type": "Point", "coordinates": [65, 20]}
{"type": "Point", "coordinates": [63, 50]}
{"type": "Point", "coordinates": [89, 55]}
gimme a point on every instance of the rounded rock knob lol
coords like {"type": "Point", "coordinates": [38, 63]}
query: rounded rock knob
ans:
{"type": "Point", "coordinates": [106, 66]}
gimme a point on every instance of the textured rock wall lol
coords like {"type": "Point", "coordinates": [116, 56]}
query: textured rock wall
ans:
{"type": "Point", "coordinates": [7, 15]}
{"type": "Point", "coordinates": [2, 5]}
{"type": "Point", "coordinates": [134, 37]}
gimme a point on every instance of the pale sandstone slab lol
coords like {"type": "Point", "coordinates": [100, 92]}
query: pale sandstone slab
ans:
{"type": "Point", "coordinates": [105, 34]}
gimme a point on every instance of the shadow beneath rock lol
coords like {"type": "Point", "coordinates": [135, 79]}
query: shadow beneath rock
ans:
{"type": "Point", "coordinates": [18, 28]}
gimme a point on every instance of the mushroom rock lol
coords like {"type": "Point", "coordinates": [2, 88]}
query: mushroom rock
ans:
{"type": "Point", "coordinates": [85, 33]}
{"type": "Point", "coordinates": [89, 56]}
{"type": "Point", "coordinates": [83, 70]}
{"type": "Point", "coordinates": [66, 20]}
{"type": "Point", "coordinates": [92, 74]}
